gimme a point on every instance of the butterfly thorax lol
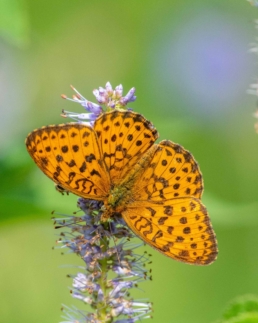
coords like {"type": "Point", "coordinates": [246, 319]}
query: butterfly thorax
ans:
{"type": "Point", "coordinates": [122, 195]}
{"type": "Point", "coordinates": [116, 202]}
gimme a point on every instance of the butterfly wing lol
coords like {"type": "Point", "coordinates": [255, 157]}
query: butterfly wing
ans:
{"type": "Point", "coordinates": [172, 173]}
{"type": "Point", "coordinates": [124, 137]}
{"type": "Point", "coordinates": [179, 228]}
{"type": "Point", "coordinates": [166, 211]}
{"type": "Point", "coordinates": [69, 154]}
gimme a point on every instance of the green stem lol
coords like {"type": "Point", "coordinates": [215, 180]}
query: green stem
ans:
{"type": "Point", "coordinates": [102, 307]}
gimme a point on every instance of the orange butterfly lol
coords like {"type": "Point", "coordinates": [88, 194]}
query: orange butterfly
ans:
{"type": "Point", "coordinates": [155, 187]}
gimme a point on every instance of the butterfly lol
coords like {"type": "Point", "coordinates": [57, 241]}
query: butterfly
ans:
{"type": "Point", "coordinates": [156, 188]}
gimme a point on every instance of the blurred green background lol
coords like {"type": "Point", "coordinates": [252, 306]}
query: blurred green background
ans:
{"type": "Point", "coordinates": [190, 64]}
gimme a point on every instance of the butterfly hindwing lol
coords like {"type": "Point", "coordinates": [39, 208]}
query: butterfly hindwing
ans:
{"type": "Point", "coordinates": [179, 228]}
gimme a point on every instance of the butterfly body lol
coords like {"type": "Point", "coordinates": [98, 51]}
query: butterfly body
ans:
{"type": "Point", "coordinates": [155, 187]}
{"type": "Point", "coordinates": [122, 195]}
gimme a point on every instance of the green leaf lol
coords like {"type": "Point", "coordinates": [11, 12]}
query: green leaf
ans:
{"type": "Point", "coordinates": [244, 318]}
{"type": "Point", "coordinates": [242, 305]}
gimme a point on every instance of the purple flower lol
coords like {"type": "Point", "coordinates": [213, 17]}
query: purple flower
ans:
{"type": "Point", "coordinates": [108, 99]}
{"type": "Point", "coordinates": [94, 242]}
{"type": "Point", "coordinates": [129, 97]}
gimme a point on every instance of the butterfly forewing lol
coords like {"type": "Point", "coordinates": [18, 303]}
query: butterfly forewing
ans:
{"type": "Point", "coordinates": [124, 136]}
{"type": "Point", "coordinates": [69, 154]}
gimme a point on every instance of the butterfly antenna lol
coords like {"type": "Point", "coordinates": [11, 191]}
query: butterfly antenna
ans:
{"type": "Point", "coordinates": [110, 228]}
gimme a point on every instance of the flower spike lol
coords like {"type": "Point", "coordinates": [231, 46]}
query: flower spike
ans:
{"type": "Point", "coordinates": [91, 239]}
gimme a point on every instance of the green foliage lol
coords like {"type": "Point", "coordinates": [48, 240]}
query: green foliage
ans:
{"type": "Point", "coordinates": [16, 186]}
{"type": "Point", "coordinates": [244, 318]}
{"type": "Point", "coordinates": [243, 309]}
